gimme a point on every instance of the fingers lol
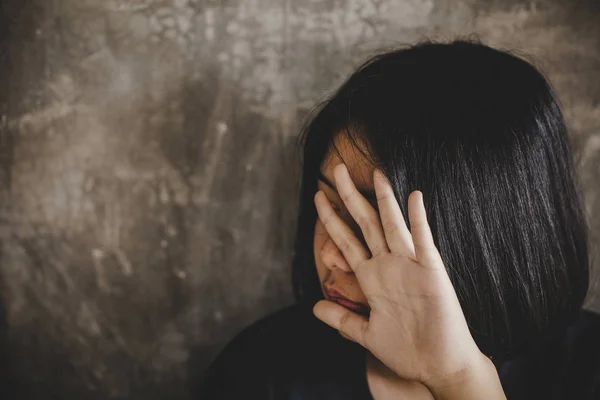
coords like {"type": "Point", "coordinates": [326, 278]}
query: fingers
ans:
{"type": "Point", "coordinates": [425, 250]}
{"type": "Point", "coordinates": [361, 210]}
{"type": "Point", "coordinates": [344, 238]}
{"type": "Point", "coordinates": [348, 323]}
{"type": "Point", "coordinates": [398, 236]}
{"type": "Point", "coordinates": [383, 231]}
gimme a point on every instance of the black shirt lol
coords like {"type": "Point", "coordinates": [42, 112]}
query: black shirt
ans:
{"type": "Point", "coordinates": [292, 355]}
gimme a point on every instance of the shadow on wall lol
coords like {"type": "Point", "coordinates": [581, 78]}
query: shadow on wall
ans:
{"type": "Point", "coordinates": [586, 147]}
{"type": "Point", "coordinates": [282, 158]}
{"type": "Point", "coordinates": [251, 172]}
{"type": "Point", "coordinates": [7, 390]}
{"type": "Point", "coordinates": [8, 10]}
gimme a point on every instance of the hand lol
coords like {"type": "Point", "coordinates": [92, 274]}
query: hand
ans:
{"type": "Point", "coordinates": [416, 326]}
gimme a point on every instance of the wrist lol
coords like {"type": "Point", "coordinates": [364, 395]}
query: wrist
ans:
{"type": "Point", "coordinates": [479, 379]}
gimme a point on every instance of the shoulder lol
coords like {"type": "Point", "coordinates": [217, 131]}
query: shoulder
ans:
{"type": "Point", "coordinates": [588, 324]}
{"type": "Point", "coordinates": [582, 345]}
{"type": "Point", "coordinates": [287, 354]}
{"type": "Point", "coordinates": [258, 358]}
{"type": "Point", "coordinates": [581, 372]}
{"type": "Point", "coordinates": [567, 369]}
{"type": "Point", "coordinates": [271, 335]}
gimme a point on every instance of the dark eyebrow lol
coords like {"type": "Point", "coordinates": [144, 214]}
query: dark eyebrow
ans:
{"type": "Point", "coordinates": [367, 194]}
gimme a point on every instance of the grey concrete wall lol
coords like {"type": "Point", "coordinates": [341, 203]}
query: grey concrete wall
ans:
{"type": "Point", "coordinates": [148, 177]}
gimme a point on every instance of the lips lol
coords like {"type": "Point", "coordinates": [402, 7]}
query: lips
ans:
{"type": "Point", "coordinates": [337, 297]}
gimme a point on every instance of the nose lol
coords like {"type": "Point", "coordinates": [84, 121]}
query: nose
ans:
{"type": "Point", "coordinates": [333, 258]}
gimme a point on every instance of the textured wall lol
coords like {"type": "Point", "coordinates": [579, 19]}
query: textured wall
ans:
{"type": "Point", "coordinates": [148, 172]}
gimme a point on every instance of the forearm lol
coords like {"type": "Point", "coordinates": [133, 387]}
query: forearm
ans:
{"type": "Point", "coordinates": [481, 382]}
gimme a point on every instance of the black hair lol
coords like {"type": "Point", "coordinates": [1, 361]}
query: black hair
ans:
{"type": "Point", "coordinates": [480, 132]}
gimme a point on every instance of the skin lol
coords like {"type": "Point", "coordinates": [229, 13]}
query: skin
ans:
{"type": "Point", "coordinates": [417, 338]}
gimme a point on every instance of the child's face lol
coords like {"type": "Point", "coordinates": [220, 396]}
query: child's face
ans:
{"type": "Point", "coordinates": [334, 272]}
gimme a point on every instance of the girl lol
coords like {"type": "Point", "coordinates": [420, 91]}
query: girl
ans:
{"type": "Point", "coordinates": [442, 247]}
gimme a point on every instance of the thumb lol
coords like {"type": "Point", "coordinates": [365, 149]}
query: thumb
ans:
{"type": "Point", "coordinates": [351, 325]}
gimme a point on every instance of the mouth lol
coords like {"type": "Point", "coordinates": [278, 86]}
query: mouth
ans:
{"type": "Point", "coordinates": [337, 297]}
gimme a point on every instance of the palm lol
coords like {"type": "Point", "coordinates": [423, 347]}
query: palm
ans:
{"type": "Point", "coordinates": [404, 312]}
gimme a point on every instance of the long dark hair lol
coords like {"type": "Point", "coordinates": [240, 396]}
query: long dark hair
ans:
{"type": "Point", "coordinates": [480, 132]}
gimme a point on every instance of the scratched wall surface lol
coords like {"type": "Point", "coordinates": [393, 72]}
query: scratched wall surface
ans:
{"type": "Point", "coordinates": [148, 168]}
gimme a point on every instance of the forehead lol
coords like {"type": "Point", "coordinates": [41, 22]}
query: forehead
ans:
{"type": "Point", "coordinates": [360, 169]}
